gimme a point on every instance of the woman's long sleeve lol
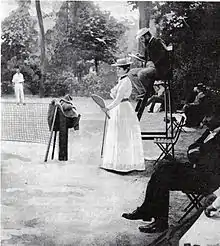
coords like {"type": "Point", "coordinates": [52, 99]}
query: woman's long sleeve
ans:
{"type": "Point", "coordinates": [119, 96]}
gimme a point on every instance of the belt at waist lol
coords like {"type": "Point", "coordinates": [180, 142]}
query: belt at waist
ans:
{"type": "Point", "coordinates": [125, 100]}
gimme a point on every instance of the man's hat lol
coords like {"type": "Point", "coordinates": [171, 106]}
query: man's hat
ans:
{"type": "Point", "coordinates": [142, 32]}
{"type": "Point", "coordinates": [158, 82]}
{"type": "Point", "coordinates": [122, 62]}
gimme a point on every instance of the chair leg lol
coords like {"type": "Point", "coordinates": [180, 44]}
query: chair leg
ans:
{"type": "Point", "coordinates": [138, 105]}
{"type": "Point", "coordinates": [195, 202]}
{"type": "Point", "coordinates": [142, 105]}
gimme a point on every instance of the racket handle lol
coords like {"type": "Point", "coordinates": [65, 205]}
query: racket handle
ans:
{"type": "Point", "coordinates": [107, 115]}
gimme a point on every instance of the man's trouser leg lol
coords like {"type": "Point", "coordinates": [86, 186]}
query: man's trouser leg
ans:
{"type": "Point", "coordinates": [147, 77]}
{"type": "Point", "coordinates": [21, 89]}
{"type": "Point", "coordinates": [142, 79]}
{"type": "Point", "coordinates": [138, 88]}
{"type": "Point", "coordinates": [17, 94]}
{"type": "Point", "coordinates": [171, 177]}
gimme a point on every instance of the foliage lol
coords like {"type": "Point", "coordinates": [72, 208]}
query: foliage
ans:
{"type": "Point", "coordinates": [58, 83]}
{"type": "Point", "coordinates": [93, 84]}
{"type": "Point", "coordinates": [193, 29]}
{"type": "Point", "coordinates": [18, 48]}
{"type": "Point", "coordinates": [83, 33]}
{"type": "Point", "coordinates": [83, 37]}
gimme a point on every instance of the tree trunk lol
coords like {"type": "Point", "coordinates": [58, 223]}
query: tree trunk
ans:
{"type": "Point", "coordinates": [96, 66]}
{"type": "Point", "coordinates": [42, 47]}
{"type": "Point", "coordinates": [144, 8]}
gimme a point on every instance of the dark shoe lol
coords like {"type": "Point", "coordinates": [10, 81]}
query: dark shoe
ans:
{"type": "Point", "coordinates": [136, 215]}
{"type": "Point", "coordinates": [153, 227]}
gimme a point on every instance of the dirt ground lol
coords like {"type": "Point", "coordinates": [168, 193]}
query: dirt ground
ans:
{"type": "Point", "coordinates": [76, 202]}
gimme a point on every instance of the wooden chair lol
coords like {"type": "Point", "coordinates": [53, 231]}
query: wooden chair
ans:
{"type": "Point", "coordinates": [166, 144]}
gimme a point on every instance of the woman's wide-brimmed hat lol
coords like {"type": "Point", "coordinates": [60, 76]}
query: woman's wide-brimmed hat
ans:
{"type": "Point", "coordinates": [142, 32]}
{"type": "Point", "coordinates": [122, 62]}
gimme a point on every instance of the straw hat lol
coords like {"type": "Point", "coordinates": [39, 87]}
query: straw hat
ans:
{"type": "Point", "coordinates": [122, 62]}
{"type": "Point", "coordinates": [158, 82]}
{"type": "Point", "coordinates": [142, 32]}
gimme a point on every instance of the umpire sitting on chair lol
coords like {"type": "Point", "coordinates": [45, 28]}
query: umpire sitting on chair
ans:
{"type": "Point", "coordinates": [201, 175]}
{"type": "Point", "coordinates": [156, 60]}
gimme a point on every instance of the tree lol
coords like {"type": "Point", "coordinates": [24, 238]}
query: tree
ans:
{"type": "Point", "coordinates": [87, 34]}
{"type": "Point", "coordinates": [19, 46]}
{"type": "Point", "coordinates": [193, 28]}
{"type": "Point", "coordinates": [145, 14]}
{"type": "Point", "coordinates": [42, 46]}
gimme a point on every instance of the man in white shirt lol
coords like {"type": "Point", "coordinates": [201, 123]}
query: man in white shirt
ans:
{"type": "Point", "coordinates": [18, 80]}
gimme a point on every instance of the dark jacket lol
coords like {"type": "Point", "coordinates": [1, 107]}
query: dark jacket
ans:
{"type": "Point", "coordinates": [206, 156]}
{"type": "Point", "coordinates": [156, 52]}
{"type": "Point", "coordinates": [68, 110]}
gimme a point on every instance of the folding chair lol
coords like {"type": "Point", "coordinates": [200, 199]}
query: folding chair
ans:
{"type": "Point", "coordinates": [195, 202]}
{"type": "Point", "coordinates": [175, 123]}
{"type": "Point", "coordinates": [166, 144]}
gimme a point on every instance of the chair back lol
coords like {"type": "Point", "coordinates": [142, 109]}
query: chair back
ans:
{"type": "Point", "coordinates": [178, 129]}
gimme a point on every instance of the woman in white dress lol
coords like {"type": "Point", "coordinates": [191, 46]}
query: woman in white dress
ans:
{"type": "Point", "coordinates": [123, 149]}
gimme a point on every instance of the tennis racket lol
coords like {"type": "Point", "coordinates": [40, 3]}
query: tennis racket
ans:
{"type": "Point", "coordinates": [100, 101]}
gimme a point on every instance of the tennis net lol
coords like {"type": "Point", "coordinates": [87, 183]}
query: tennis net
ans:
{"type": "Point", "coordinates": [25, 123]}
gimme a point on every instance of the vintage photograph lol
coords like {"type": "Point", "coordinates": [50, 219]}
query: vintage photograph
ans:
{"type": "Point", "coordinates": [110, 123]}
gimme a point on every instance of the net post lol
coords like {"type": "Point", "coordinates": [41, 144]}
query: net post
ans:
{"type": "Point", "coordinates": [63, 137]}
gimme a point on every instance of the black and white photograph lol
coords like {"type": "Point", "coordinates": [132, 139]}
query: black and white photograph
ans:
{"type": "Point", "coordinates": [110, 123]}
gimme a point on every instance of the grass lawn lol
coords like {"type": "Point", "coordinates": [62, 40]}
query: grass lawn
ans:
{"type": "Point", "coordinates": [73, 202]}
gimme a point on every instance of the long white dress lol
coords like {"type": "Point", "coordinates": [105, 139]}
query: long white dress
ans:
{"type": "Point", "coordinates": [123, 149]}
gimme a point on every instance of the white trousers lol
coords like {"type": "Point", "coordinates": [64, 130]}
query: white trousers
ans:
{"type": "Point", "coordinates": [19, 92]}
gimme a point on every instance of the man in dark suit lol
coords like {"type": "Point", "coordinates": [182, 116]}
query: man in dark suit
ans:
{"type": "Point", "coordinates": [200, 174]}
{"type": "Point", "coordinates": [156, 61]}
{"type": "Point", "coordinates": [196, 110]}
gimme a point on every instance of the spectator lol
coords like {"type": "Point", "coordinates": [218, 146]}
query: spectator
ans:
{"type": "Point", "coordinates": [196, 110]}
{"type": "Point", "coordinates": [18, 81]}
{"type": "Point", "coordinates": [158, 97]}
{"type": "Point", "coordinates": [156, 62]}
{"type": "Point", "coordinates": [200, 174]}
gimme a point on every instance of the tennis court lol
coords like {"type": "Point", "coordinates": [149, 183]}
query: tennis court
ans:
{"type": "Point", "coordinates": [73, 202]}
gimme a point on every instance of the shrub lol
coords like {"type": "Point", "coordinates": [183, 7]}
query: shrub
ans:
{"type": "Point", "coordinates": [93, 84]}
{"type": "Point", "coordinates": [59, 84]}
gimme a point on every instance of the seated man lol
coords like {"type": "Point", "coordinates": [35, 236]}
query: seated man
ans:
{"type": "Point", "coordinates": [158, 97]}
{"type": "Point", "coordinates": [156, 60]}
{"type": "Point", "coordinates": [201, 174]}
{"type": "Point", "coordinates": [196, 110]}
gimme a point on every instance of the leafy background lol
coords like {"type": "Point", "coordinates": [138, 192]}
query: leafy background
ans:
{"type": "Point", "coordinates": [84, 40]}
